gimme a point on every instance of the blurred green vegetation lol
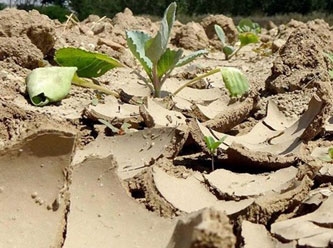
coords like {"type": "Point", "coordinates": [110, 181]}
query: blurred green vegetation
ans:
{"type": "Point", "coordinates": [57, 8]}
{"type": "Point", "coordinates": [52, 11]}
{"type": "Point", "coordinates": [2, 6]}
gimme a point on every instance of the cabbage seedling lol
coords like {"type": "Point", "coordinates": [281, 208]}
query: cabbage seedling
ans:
{"type": "Point", "coordinates": [156, 58]}
{"type": "Point", "coordinates": [212, 146]}
{"type": "Point", "coordinates": [248, 33]}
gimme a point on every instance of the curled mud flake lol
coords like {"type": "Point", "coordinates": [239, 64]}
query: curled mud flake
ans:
{"type": "Point", "coordinates": [311, 230]}
{"type": "Point", "coordinates": [254, 234]}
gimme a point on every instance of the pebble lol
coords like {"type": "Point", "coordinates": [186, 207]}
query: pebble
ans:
{"type": "Point", "coordinates": [34, 195]}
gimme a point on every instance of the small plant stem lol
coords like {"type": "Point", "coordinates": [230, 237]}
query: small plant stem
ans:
{"type": "Point", "coordinates": [213, 167]}
{"type": "Point", "coordinates": [195, 79]}
{"type": "Point", "coordinates": [84, 83]}
{"type": "Point", "coordinates": [234, 53]}
{"type": "Point", "coordinates": [156, 82]}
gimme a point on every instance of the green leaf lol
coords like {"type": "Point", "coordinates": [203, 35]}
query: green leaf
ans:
{"type": "Point", "coordinates": [168, 61]}
{"type": "Point", "coordinates": [325, 158]}
{"type": "Point", "coordinates": [136, 41]}
{"type": "Point", "coordinates": [248, 38]}
{"type": "Point", "coordinates": [156, 46]}
{"type": "Point", "coordinates": [330, 152]}
{"type": "Point", "coordinates": [246, 25]}
{"type": "Point", "coordinates": [89, 64]}
{"type": "Point", "coordinates": [228, 50]}
{"type": "Point", "coordinates": [211, 144]}
{"type": "Point", "coordinates": [235, 81]}
{"type": "Point", "coordinates": [189, 58]}
{"type": "Point", "coordinates": [222, 139]}
{"type": "Point", "coordinates": [220, 33]}
{"type": "Point", "coordinates": [209, 140]}
{"type": "Point", "coordinates": [49, 84]}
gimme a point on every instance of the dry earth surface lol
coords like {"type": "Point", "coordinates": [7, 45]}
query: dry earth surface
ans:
{"type": "Point", "coordinates": [67, 181]}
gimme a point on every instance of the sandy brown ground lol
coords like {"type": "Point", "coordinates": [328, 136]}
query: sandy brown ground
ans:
{"type": "Point", "coordinates": [67, 181]}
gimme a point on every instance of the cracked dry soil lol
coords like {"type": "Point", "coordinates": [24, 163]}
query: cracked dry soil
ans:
{"type": "Point", "coordinates": [67, 181]}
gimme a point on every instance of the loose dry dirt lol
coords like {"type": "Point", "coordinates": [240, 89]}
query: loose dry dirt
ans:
{"type": "Point", "coordinates": [67, 181]}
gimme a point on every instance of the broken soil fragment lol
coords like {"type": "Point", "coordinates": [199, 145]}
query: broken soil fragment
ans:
{"type": "Point", "coordinates": [310, 230]}
{"type": "Point", "coordinates": [102, 214]}
{"type": "Point", "coordinates": [257, 234]}
{"type": "Point", "coordinates": [178, 192]}
{"type": "Point", "coordinates": [145, 147]}
{"type": "Point", "coordinates": [154, 115]}
{"type": "Point", "coordinates": [206, 228]}
{"type": "Point", "coordinates": [32, 177]}
{"type": "Point", "coordinates": [243, 185]}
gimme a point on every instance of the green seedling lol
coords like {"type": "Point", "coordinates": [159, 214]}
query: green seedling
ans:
{"type": "Point", "coordinates": [247, 33]}
{"type": "Point", "coordinates": [212, 146]}
{"type": "Point", "coordinates": [157, 60]}
{"type": "Point", "coordinates": [52, 84]}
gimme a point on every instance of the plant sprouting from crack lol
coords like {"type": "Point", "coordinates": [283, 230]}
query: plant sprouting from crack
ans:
{"type": "Point", "coordinates": [247, 33]}
{"type": "Point", "coordinates": [157, 60]}
{"type": "Point", "coordinates": [212, 146]}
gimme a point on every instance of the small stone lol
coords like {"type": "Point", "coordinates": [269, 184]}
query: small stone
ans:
{"type": "Point", "coordinates": [277, 44]}
{"type": "Point", "coordinates": [56, 204]}
{"type": "Point", "coordinates": [34, 195]}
